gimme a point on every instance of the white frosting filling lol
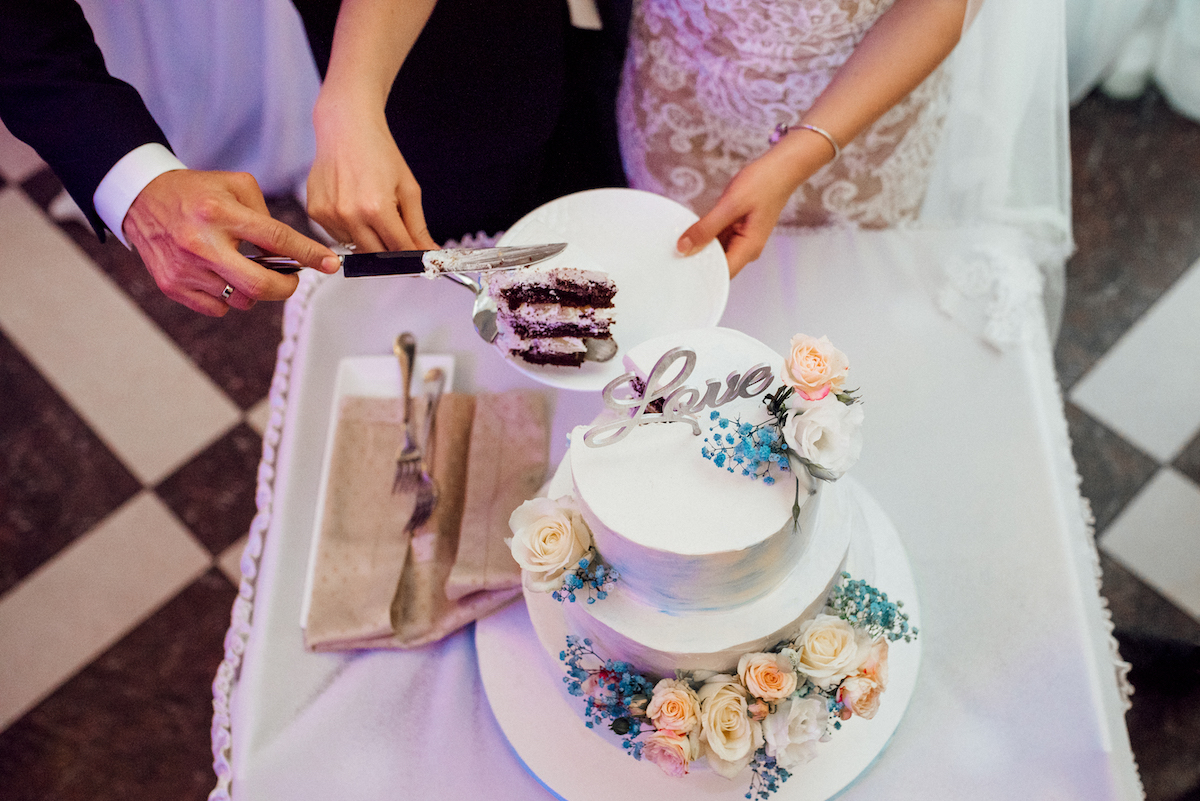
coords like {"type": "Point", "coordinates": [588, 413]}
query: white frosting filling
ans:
{"type": "Point", "coordinates": [557, 313]}
{"type": "Point", "coordinates": [507, 340]}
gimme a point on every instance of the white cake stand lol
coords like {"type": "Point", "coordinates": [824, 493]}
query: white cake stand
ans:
{"type": "Point", "coordinates": [545, 725]}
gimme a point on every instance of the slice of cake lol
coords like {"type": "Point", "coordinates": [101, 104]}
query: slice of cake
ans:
{"type": "Point", "coordinates": [545, 313]}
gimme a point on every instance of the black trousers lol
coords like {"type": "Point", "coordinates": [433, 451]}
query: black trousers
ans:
{"type": "Point", "coordinates": [500, 106]}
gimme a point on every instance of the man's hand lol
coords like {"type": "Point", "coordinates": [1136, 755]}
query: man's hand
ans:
{"type": "Point", "coordinates": [187, 225]}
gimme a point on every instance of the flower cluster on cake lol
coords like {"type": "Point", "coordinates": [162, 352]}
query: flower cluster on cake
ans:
{"type": "Point", "coordinates": [704, 559]}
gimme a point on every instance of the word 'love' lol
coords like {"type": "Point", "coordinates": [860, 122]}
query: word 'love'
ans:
{"type": "Point", "coordinates": [680, 403]}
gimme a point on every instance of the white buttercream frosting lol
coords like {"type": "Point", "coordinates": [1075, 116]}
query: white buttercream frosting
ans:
{"type": "Point", "coordinates": [684, 533]}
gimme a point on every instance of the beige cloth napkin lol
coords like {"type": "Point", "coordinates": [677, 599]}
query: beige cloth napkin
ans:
{"type": "Point", "coordinates": [375, 586]}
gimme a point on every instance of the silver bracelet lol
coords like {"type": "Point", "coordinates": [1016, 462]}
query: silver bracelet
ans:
{"type": "Point", "coordinates": [781, 130]}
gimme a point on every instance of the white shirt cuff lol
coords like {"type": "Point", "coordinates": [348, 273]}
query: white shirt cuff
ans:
{"type": "Point", "coordinates": [125, 181]}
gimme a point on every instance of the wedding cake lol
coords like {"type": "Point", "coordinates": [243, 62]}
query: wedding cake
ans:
{"type": "Point", "coordinates": [698, 570]}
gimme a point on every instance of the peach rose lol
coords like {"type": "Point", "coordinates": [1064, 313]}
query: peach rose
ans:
{"type": "Point", "coordinates": [861, 694]}
{"type": "Point", "coordinates": [728, 736]}
{"type": "Point", "coordinates": [814, 366]}
{"type": "Point", "coordinates": [674, 707]}
{"type": "Point", "coordinates": [827, 650]}
{"type": "Point", "coordinates": [549, 538]}
{"type": "Point", "coordinates": [875, 663]}
{"type": "Point", "coordinates": [770, 677]}
{"type": "Point", "coordinates": [671, 751]}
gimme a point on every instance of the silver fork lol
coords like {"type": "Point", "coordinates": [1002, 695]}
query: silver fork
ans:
{"type": "Point", "coordinates": [427, 493]}
{"type": "Point", "coordinates": [408, 457]}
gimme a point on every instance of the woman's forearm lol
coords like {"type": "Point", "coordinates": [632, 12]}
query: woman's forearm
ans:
{"type": "Point", "coordinates": [900, 50]}
{"type": "Point", "coordinates": [370, 43]}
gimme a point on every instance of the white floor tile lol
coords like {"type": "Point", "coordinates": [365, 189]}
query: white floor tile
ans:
{"type": "Point", "coordinates": [1147, 388]}
{"type": "Point", "coordinates": [77, 605]}
{"type": "Point", "coordinates": [18, 160]}
{"type": "Point", "coordinates": [1157, 536]}
{"type": "Point", "coordinates": [140, 394]}
{"type": "Point", "coordinates": [258, 415]}
{"type": "Point", "coordinates": [230, 560]}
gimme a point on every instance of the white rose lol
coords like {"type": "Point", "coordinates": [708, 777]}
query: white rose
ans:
{"type": "Point", "coordinates": [793, 729]}
{"type": "Point", "coordinates": [728, 736]}
{"type": "Point", "coordinates": [828, 650]}
{"type": "Point", "coordinates": [827, 433]}
{"type": "Point", "coordinates": [549, 538]}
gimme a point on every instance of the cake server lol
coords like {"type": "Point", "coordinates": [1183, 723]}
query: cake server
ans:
{"type": "Point", "coordinates": [427, 262]}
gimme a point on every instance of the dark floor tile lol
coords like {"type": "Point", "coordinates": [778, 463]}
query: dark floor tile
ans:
{"type": "Point", "coordinates": [238, 350]}
{"type": "Point", "coordinates": [213, 494]}
{"type": "Point", "coordinates": [1188, 461]}
{"type": "Point", "coordinates": [1136, 207]}
{"type": "Point", "coordinates": [1162, 642]}
{"type": "Point", "coordinates": [1112, 470]}
{"type": "Point", "coordinates": [57, 479]}
{"type": "Point", "coordinates": [134, 724]}
{"type": "Point", "coordinates": [1138, 610]}
{"type": "Point", "coordinates": [1164, 722]}
{"type": "Point", "coordinates": [42, 187]}
{"type": "Point", "coordinates": [1191, 795]}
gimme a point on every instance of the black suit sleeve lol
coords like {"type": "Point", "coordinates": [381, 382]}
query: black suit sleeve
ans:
{"type": "Point", "coordinates": [57, 95]}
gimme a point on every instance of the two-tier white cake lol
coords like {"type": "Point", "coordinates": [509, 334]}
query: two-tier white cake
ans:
{"type": "Point", "coordinates": [685, 558]}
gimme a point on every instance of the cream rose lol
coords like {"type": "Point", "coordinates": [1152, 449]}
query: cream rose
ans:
{"type": "Point", "coordinates": [549, 538]}
{"type": "Point", "coordinates": [728, 737]}
{"type": "Point", "coordinates": [861, 695]}
{"type": "Point", "coordinates": [767, 676]}
{"type": "Point", "coordinates": [827, 649]}
{"type": "Point", "coordinates": [814, 366]}
{"type": "Point", "coordinates": [827, 434]}
{"type": "Point", "coordinates": [793, 729]}
{"type": "Point", "coordinates": [674, 707]}
{"type": "Point", "coordinates": [671, 751]}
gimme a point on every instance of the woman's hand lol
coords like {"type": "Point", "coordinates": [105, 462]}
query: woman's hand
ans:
{"type": "Point", "coordinates": [749, 207]}
{"type": "Point", "coordinates": [360, 188]}
{"type": "Point", "coordinates": [899, 51]}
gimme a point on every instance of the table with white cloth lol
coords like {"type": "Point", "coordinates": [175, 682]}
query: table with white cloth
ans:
{"type": "Point", "coordinates": [965, 447]}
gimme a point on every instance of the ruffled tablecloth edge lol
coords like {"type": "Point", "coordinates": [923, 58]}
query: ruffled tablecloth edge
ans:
{"type": "Point", "coordinates": [238, 634]}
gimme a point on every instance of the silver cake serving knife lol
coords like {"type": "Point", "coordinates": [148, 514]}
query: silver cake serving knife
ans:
{"type": "Point", "coordinates": [427, 262]}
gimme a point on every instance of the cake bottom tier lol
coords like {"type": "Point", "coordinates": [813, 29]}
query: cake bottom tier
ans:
{"type": "Point", "coordinates": [659, 642]}
{"type": "Point", "coordinates": [518, 658]}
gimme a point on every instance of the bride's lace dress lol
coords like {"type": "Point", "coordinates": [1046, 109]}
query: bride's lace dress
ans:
{"type": "Point", "coordinates": [706, 83]}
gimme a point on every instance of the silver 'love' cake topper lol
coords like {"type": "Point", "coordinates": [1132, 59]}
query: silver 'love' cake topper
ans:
{"type": "Point", "coordinates": [679, 402]}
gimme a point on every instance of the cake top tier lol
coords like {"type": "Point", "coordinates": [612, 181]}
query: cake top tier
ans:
{"type": "Point", "coordinates": [651, 480]}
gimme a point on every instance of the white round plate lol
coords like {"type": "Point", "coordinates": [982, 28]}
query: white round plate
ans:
{"type": "Point", "coordinates": [545, 726]}
{"type": "Point", "coordinates": [630, 235]}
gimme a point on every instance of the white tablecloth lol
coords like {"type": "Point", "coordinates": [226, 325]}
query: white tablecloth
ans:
{"type": "Point", "coordinates": [965, 448]}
